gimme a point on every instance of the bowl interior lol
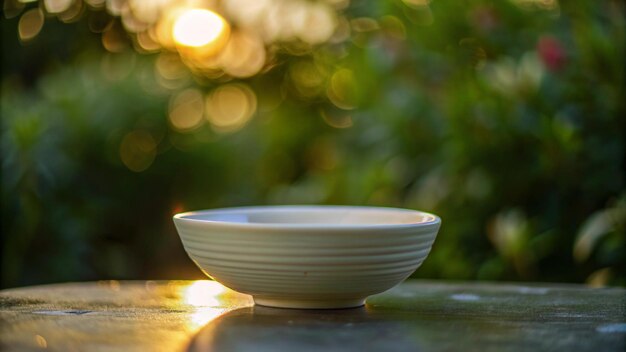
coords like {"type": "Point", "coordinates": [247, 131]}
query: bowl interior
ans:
{"type": "Point", "coordinates": [312, 215]}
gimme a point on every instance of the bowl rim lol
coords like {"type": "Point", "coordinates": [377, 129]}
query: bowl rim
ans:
{"type": "Point", "coordinates": [430, 219]}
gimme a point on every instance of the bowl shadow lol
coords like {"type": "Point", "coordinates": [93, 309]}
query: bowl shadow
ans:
{"type": "Point", "coordinates": [260, 328]}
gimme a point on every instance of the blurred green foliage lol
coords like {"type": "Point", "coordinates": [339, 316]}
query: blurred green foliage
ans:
{"type": "Point", "coordinates": [505, 120]}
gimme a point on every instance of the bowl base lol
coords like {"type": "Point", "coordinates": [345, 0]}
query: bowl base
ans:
{"type": "Point", "coordinates": [309, 304]}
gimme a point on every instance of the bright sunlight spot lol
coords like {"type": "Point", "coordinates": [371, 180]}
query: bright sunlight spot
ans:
{"type": "Point", "coordinates": [199, 27]}
{"type": "Point", "coordinates": [203, 293]}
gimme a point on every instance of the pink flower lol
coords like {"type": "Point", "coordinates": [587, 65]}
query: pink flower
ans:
{"type": "Point", "coordinates": [551, 52]}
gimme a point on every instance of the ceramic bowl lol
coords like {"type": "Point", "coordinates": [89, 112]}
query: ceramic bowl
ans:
{"type": "Point", "coordinates": [308, 256]}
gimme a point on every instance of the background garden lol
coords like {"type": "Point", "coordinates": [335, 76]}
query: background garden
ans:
{"type": "Point", "coordinates": [506, 118]}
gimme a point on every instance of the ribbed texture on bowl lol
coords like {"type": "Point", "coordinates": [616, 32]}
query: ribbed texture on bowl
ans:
{"type": "Point", "coordinates": [310, 267]}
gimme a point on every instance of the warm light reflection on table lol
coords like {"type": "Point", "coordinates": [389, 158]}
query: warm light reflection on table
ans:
{"type": "Point", "coordinates": [205, 296]}
{"type": "Point", "coordinates": [123, 315]}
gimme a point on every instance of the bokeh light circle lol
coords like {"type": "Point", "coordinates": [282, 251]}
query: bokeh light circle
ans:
{"type": "Point", "coordinates": [229, 107]}
{"type": "Point", "coordinates": [198, 27]}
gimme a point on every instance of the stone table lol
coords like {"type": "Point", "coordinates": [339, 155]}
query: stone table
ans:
{"type": "Point", "coordinates": [415, 316]}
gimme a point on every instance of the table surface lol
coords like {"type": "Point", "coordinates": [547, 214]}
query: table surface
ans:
{"type": "Point", "coordinates": [415, 316]}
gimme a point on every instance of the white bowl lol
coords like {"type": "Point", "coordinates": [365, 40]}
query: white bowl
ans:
{"type": "Point", "coordinates": [308, 256]}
